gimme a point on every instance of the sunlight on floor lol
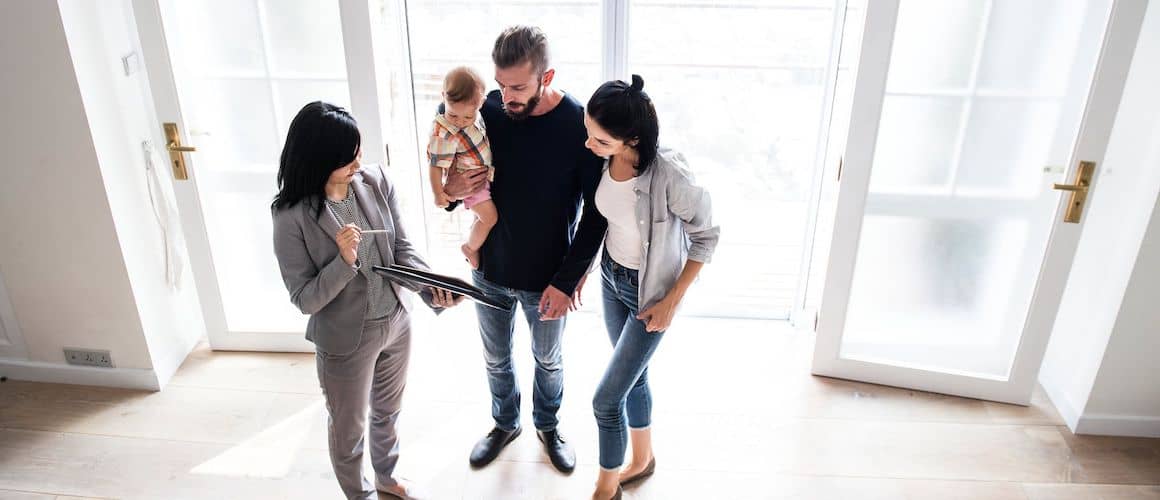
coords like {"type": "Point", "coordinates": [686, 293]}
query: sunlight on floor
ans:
{"type": "Point", "coordinates": [269, 454]}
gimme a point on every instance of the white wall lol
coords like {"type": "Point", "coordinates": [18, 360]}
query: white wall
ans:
{"type": "Point", "coordinates": [1095, 329]}
{"type": "Point", "coordinates": [80, 253]}
{"type": "Point", "coordinates": [1125, 398]}
{"type": "Point", "coordinates": [59, 255]}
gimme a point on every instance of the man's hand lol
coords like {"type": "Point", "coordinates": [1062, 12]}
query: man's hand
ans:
{"type": "Point", "coordinates": [553, 304]}
{"type": "Point", "coordinates": [460, 185]}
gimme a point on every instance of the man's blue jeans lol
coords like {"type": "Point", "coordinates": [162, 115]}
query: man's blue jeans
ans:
{"type": "Point", "coordinates": [496, 327]}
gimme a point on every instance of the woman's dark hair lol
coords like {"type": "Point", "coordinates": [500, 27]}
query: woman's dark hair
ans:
{"type": "Point", "coordinates": [625, 111]}
{"type": "Point", "coordinates": [322, 138]}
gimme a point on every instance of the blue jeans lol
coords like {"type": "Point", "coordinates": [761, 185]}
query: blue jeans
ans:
{"type": "Point", "coordinates": [496, 327]}
{"type": "Point", "coordinates": [624, 387]}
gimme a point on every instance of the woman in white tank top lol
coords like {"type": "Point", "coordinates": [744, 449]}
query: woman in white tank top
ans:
{"type": "Point", "coordinates": [660, 234]}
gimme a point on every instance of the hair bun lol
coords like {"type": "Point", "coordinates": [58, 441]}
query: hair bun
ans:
{"type": "Point", "coordinates": [637, 84]}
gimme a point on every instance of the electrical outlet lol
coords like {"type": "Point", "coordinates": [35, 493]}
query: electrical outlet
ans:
{"type": "Point", "coordinates": [88, 357]}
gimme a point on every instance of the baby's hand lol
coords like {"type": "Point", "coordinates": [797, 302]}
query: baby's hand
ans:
{"type": "Point", "coordinates": [442, 200]}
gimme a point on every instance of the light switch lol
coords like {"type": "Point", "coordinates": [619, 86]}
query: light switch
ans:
{"type": "Point", "coordinates": [131, 63]}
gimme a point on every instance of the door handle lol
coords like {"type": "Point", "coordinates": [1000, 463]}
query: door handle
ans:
{"type": "Point", "coordinates": [176, 151]}
{"type": "Point", "coordinates": [183, 149]}
{"type": "Point", "coordinates": [1079, 191]}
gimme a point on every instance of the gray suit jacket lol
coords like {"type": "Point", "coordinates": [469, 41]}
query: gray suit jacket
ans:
{"type": "Point", "coordinates": [323, 285]}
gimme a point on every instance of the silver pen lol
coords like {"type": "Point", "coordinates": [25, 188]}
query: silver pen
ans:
{"type": "Point", "coordinates": [364, 231]}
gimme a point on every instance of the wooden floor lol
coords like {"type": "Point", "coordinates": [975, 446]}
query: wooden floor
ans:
{"type": "Point", "coordinates": [737, 415]}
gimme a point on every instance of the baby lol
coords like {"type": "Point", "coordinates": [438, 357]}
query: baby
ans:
{"type": "Point", "coordinates": [458, 141]}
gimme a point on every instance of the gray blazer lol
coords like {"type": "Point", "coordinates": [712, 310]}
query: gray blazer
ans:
{"type": "Point", "coordinates": [323, 285]}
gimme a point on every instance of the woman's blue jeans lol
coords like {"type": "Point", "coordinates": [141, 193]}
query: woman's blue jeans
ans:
{"type": "Point", "coordinates": [624, 387]}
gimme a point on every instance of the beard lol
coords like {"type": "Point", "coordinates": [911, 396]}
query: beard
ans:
{"type": "Point", "coordinates": [525, 109]}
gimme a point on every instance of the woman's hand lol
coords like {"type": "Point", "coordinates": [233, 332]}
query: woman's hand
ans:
{"type": "Point", "coordinates": [659, 317]}
{"type": "Point", "coordinates": [444, 299]}
{"type": "Point", "coordinates": [577, 303]}
{"type": "Point", "coordinates": [348, 239]}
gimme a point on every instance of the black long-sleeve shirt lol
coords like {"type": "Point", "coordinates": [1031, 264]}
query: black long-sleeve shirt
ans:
{"type": "Point", "coordinates": [542, 172]}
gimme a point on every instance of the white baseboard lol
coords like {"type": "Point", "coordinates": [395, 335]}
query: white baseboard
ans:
{"type": "Point", "coordinates": [1063, 404]}
{"type": "Point", "coordinates": [39, 371]}
{"type": "Point", "coordinates": [1119, 425]}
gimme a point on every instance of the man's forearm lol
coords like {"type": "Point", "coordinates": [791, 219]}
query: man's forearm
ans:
{"type": "Point", "coordinates": [583, 250]}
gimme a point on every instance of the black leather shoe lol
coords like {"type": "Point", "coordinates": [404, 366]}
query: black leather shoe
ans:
{"type": "Point", "coordinates": [489, 447]}
{"type": "Point", "coordinates": [559, 451]}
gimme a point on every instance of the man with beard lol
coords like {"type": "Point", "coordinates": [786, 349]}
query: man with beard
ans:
{"type": "Point", "coordinates": [538, 254]}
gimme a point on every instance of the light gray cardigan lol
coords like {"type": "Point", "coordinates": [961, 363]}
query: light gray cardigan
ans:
{"type": "Point", "coordinates": [675, 218]}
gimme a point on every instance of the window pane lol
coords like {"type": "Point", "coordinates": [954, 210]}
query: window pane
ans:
{"type": "Point", "coordinates": [253, 294]}
{"type": "Point", "coordinates": [743, 101]}
{"type": "Point", "coordinates": [916, 142]}
{"type": "Point", "coordinates": [1032, 60]}
{"type": "Point", "coordinates": [210, 43]}
{"type": "Point", "coordinates": [934, 44]}
{"type": "Point", "coordinates": [730, 34]}
{"type": "Point", "coordinates": [302, 38]}
{"type": "Point", "coordinates": [239, 118]}
{"type": "Point", "coordinates": [1007, 144]}
{"type": "Point", "coordinates": [937, 292]}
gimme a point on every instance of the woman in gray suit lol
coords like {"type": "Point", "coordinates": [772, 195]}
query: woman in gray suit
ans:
{"type": "Point", "coordinates": [359, 322]}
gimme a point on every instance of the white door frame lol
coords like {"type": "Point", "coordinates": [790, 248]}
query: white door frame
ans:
{"type": "Point", "coordinates": [802, 313]}
{"type": "Point", "coordinates": [365, 102]}
{"type": "Point", "coordinates": [1103, 100]}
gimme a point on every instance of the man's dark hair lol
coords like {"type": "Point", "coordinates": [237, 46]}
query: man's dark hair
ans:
{"type": "Point", "coordinates": [520, 44]}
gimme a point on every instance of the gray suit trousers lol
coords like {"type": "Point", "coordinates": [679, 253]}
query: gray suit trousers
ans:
{"type": "Point", "coordinates": [373, 375]}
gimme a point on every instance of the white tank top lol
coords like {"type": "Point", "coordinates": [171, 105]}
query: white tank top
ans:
{"type": "Point", "coordinates": [616, 201]}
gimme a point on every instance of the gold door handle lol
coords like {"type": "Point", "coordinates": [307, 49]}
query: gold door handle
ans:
{"type": "Point", "coordinates": [182, 149]}
{"type": "Point", "coordinates": [1079, 191]}
{"type": "Point", "coordinates": [176, 151]}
